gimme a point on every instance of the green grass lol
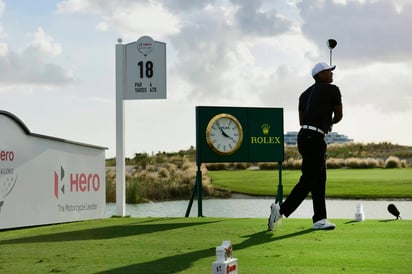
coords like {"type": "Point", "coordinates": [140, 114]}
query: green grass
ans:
{"type": "Point", "coordinates": [187, 245]}
{"type": "Point", "coordinates": [342, 183]}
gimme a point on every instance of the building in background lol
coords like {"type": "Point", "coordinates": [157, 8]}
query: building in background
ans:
{"type": "Point", "coordinates": [291, 138]}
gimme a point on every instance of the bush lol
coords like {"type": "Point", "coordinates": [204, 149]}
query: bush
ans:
{"type": "Point", "coordinates": [268, 166]}
{"type": "Point", "coordinates": [164, 173]}
{"type": "Point", "coordinates": [162, 180]}
{"type": "Point", "coordinates": [110, 185]}
{"type": "Point", "coordinates": [217, 166]}
{"type": "Point", "coordinates": [393, 162]}
{"type": "Point", "coordinates": [335, 163]}
{"type": "Point", "coordinates": [292, 163]}
{"type": "Point", "coordinates": [241, 165]}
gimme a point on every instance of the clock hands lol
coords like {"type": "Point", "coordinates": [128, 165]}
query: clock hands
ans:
{"type": "Point", "coordinates": [225, 134]}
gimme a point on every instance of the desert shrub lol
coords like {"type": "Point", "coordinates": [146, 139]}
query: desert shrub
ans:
{"type": "Point", "coordinates": [217, 166]}
{"type": "Point", "coordinates": [161, 158]}
{"type": "Point", "coordinates": [178, 161]}
{"type": "Point", "coordinates": [110, 185]}
{"type": "Point", "coordinates": [352, 163]}
{"type": "Point", "coordinates": [335, 163]}
{"type": "Point", "coordinates": [292, 163]}
{"type": "Point", "coordinates": [133, 191]}
{"type": "Point", "coordinates": [268, 165]}
{"type": "Point", "coordinates": [241, 165]}
{"type": "Point", "coordinates": [393, 162]}
{"type": "Point", "coordinates": [373, 163]}
{"type": "Point", "coordinates": [363, 163]}
{"type": "Point", "coordinates": [162, 181]}
{"type": "Point", "coordinates": [151, 168]}
{"type": "Point", "coordinates": [404, 163]}
{"type": "Point", "coordinates": [164, 173]}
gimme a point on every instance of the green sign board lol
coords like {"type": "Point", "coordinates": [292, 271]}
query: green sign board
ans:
{"type": "Point", "coordinates": [239, 134]}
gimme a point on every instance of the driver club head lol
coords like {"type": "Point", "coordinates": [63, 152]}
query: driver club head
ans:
{"type": "Point", "coordinates": [332, 44]}
{"type": "Point", "coordinates": [394, 211]}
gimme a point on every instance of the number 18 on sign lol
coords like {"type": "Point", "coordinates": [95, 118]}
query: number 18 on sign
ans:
{"type": "Point", "coordinates": [145, 69]}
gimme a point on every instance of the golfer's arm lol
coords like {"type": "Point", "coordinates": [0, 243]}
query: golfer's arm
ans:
{"type": "Point", "coordinates": [337, 114]}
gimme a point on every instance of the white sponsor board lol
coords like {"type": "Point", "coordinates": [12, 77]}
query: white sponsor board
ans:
{"type": "Point", "coordinates": [45, 180]}
{"type": "Point", "coordinates": [145, 69]}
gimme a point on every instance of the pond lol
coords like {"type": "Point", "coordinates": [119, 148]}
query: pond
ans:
{"type": "Point", "coordinates": [252, 207]}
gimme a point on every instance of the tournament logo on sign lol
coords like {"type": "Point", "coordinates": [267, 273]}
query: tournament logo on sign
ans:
{"type": "Point", "coordinates": [77, 182]}
{"type": "Point", "coordinates": [265, 139]}
{"type": "Point", "coordinates": [8, 174]}
{"type": "Point", "coordinates": [145, 45]}
{"type": "Point", "coordinates": [57, 181]}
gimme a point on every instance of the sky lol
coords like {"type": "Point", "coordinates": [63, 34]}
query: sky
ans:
{"type": "Point", "coordinates": [57, 65]}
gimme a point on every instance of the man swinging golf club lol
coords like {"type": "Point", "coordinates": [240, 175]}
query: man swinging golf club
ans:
{"type": "Point", "coordinates": [320, 106]}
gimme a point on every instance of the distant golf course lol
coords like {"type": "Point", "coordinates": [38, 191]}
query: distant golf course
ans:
{"type": "Point", "coordinates": [342, 183]}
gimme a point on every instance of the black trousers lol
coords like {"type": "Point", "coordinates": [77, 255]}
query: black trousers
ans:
{"type": "Point", "coordinates": [312, 146]}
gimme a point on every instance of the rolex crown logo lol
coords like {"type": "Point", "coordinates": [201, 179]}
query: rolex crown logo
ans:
{"type": "Point", "coordinates": [265, 129]}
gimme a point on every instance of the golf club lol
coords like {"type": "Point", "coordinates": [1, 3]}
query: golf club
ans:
{"type": "Point", "coordinates": [331, 45]}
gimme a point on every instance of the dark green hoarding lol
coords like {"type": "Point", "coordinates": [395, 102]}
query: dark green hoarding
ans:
{"type": "Point", "coordinates": [239, 134]}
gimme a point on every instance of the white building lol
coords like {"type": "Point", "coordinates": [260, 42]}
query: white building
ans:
{"type": "Point", "coordinates": [291, 138]}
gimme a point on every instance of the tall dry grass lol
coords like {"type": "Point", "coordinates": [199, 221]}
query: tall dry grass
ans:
{"type": "Point", "coordinates": [161, 179]}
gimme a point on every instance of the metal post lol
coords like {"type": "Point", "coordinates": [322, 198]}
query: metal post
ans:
{"type": "Point", "coordinates": [120, 159]}
{"type": "Point", "coordinates": [279, 196]}
{"type": "Point", "coordinates": [199, 192]}
{"type": "Point", "coordinates": [189, 206]}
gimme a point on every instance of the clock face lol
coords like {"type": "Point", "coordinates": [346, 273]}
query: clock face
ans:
{"type": "Point", "coordinates": [224, 134]}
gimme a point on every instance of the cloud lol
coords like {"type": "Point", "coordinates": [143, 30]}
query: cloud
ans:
{"type": "Point", "coordinates": [213, 41]}
{"type": "Point", "coordinates": [3, 33]}
{"type": "Point", "coordinates": [366, 31]}
{"type": "Point", "coordinates": [130, 18]}
{"type": "Point", "coordinates": [82, 6]}
{"type": "Point", "coordinates": [222, 58]}
{"type": "Point", "coordinates": [260, 52]}
{"type": "Point", "coordinates": [254, 19]}
{"type": "Point", "coordinates": [4, 49]}
{"type": "Point", "coordinates": [30, 66]}
{"type": "Point", "coordinates": [381, 93]}
{"type": "Point", "coordinates": [44, 44]}
{"type": "Point", "coordinates": [373, 52]}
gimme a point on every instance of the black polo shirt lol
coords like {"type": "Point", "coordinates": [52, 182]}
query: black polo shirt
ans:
{"type": "Point", "coordinates": [317, 103]}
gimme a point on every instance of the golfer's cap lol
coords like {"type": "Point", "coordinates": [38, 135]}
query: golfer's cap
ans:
{"type": "Point", "coordinates": [321, 67]}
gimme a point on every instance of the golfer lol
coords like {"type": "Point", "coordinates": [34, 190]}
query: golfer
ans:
{"type": "Point", "coordinates": [320, 106]}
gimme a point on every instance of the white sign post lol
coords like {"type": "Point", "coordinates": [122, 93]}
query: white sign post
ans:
{"type": "Point", "coordinates": [140, 74]}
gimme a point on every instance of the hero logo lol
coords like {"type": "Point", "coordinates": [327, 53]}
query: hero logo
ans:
{"type": "Point", "coordinates": [8, 174]}
{"type": "Point", "coordinates": [6, 156]}
{"type": "Point", "coordinates": [79, 182]}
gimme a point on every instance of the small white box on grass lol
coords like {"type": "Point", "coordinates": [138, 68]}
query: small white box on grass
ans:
{"type": "Point", "coordinates": [227, 267]}
{"type": "Point", "coordinates": [224, 263]}
{"type": "Point", "coordinates": [359, 216]}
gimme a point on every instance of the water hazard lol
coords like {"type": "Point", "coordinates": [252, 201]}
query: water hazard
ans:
{"type": "Point", "coordinates": [259, 208]}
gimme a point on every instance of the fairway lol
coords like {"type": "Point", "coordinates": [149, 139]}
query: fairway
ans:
{"type": "Point", "coordinates": [187, 245]}
{"type": "Point", "coordinates": [342, 183]}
